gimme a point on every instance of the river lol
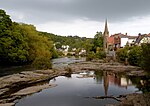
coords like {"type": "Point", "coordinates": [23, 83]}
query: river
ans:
{"type": "Point", "coordinates": [80, 90]}
{"type": "Point", "coordinates": [56, 63]}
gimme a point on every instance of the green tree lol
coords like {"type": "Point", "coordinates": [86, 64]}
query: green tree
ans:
{"type": "Point", "coordinates": [5, 23]}
{"type": "Point", "coordinates": [146, 56]}
{"type": "Point", "coordinates": [122, 54]}
{"type": "Point", "coordinates": [40, 48]}
{"type": "Point", "coordinates": [135, 56]}
{"type": "Point", "coordinates": [88, 46]}
{"type": "Point", "coordinates": [13, 47]}
{"type": "Point", "coordinates": [98, 41]}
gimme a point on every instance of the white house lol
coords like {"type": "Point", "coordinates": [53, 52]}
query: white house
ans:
{"type": "Point", "coordinates": [145, 38]}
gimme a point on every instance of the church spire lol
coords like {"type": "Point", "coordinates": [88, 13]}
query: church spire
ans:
{"type": "Point", "coordinates": [105, 37]}
{"type": "Point", "coordinates": [106, 28]}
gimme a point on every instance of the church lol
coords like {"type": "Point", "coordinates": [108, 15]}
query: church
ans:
{"type": "Point", "coordinates": [107, 41]}
{"type": "Point", "coordinates": [116, 41]}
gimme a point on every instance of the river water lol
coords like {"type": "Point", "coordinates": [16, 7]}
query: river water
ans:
{"type": "Point", "coordinates": [79, 90]}
{"type": "Point", "coordinates": [57, 63]}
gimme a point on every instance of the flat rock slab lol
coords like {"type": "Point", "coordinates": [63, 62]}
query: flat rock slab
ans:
{"type": "Point", "coordinates": [136, 100]}
{"type": "Point", "coordinates": [8, 104]}
{"type": "Point", "coordinates": [33, 89]}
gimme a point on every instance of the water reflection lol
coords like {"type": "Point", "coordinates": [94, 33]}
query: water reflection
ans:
{"type": "Point", "coordinates": [142, 83]}
{"type": "Point", "coordinates": [107, 78]}
{"type": "Point", "coordinates": [73, 89]}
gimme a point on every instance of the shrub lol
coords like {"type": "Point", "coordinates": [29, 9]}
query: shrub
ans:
{"type": "Point", "coordinates": [135, 56]}
{"type": "Point", "coordinates": [90, 56]}
{"type": "Point", "coordinates": [100, 55]}
{"type": "Point", "coordinates": [122, 54]}
{"type": "Point", "coordinates": [146, 56]}
{"type": "Point", "coordinates": [42, 63]}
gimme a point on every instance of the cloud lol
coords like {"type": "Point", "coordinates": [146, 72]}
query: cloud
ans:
{"type": "Point", "coordinates": [80, 27]}
{"type": "Point", "coordinates": [62, 10]}
{"type": "Point", "coordinates": [81, 17]}
{"type": "Point", "coordinates": [20, 17]}
{"type": "Point", "coordinates": [88, 28]}
{"type": "Point", "coordinates": [133, 27]}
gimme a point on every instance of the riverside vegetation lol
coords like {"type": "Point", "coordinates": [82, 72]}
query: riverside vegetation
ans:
{"type": "Point", "coordinates": [136, 55]}
{"type": "Point", "coordinates": [22, 44]}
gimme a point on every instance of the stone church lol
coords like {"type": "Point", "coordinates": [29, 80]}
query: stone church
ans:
{"type": "Point", "coordinates": [106, 36]}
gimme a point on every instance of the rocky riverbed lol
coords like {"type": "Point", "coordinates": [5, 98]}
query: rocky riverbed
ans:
{"type": "Point", "coordinates": [14, 87]}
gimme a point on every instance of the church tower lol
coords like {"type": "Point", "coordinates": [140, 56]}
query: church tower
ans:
{"type": "Point", "coordinates": [105, 39]}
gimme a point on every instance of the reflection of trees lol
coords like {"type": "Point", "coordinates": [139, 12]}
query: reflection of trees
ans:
{"type": "Point", "coordinates": [68, 75]}
{"type": "Point", "coordinates": [98, 76]}
{"type": "Point", "coordinates": [142, 83]}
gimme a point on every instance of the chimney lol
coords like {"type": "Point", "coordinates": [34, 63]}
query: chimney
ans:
{"type": "Point", "coordinates": [139, 34]}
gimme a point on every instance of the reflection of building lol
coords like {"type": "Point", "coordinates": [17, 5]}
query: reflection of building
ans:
{"type": "Point", "coordinates": [112, 78]}
{"type": "Point", "coordinates": [106, 83]}
{"type": "Point", "coordinates": [124, 82]}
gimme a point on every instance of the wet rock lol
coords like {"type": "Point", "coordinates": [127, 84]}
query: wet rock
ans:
{"type": "Point", "coordinates": [8, 104]}
{"type": "Point", "coordinates": [16, 85]}
{"type": "Point", "coordinates": [136, 100]}
{"type": "Point", "coordinates": [114, 67]}
{"type": "Point", "coordinates": [33, 89]}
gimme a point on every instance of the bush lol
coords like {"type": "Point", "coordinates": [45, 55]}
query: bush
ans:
{"type": "Point", "coordinates": [100, 55]}
{"type": "Point", "coordinates": [42, 63]}
{"type": "Point", "coordinates": [135, 56]}
{"type": "Point", "coordinates": [146, 56]}
{"type": "Point", "coordinates": [60, 54]}
{"type": "Point", "coordinates": [122, 54]}
{"type": "Point", "coordinates": [90, 56]}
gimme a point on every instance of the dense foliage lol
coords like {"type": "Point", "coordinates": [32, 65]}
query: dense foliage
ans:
{"type": "Point", "coordinates": [122, 53]}
{"type": "Point", "coordinates": [95, 49]}
{"type": "Point", "coordinates": [136, 55]}
{"type": "Point", "coordinates": [21, 44]}
{"type": "Point", "coordinates": [146, 56]}
{"type": "Point", "coordinates": [98, 42]}
{"type": "Point", "coordinates": [71, 41]}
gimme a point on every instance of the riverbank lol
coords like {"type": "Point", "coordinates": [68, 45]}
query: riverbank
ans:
{"type": "Point", "coordinates": [13, 87]}
{"type": "Point", "coordinates": [16, 86]}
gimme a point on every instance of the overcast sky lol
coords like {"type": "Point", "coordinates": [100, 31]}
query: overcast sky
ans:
{"type": "Point", "coordinates": [81, 17]}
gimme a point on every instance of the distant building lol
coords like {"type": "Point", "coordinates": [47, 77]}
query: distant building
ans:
{"type": "Point", "coordinates": [65, 48]}
{"type": "Point", "coordinates": [145, 38]}
{"type": "Point", "coordinates": [82, 52]}
{"type": "Point", "coordinates": [121, 40]}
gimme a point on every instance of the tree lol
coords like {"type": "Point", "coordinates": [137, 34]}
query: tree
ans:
{"type": "Point", "coordinates": [146, 56]}
{"type": "Point", "coordinates": [5, 22]}
{"type": "Point", "coordinates": [40, 48]}
{"type": "Point", "coordinates": [98, 41]}
{"type": "Point", "coordinates": [13, 47]}
{"type": "Point", "coordinates": [135, 56]}
{"type": "Point", "coordinates": [122, 54]}
{"type": "Point", "coordinates": [88, 46]}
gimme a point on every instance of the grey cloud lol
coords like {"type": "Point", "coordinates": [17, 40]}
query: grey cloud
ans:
{"type": "Point", "coordinates": [39, 11]}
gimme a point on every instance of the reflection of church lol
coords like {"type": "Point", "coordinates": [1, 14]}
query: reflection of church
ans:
{"type": "Point", "coordinates": [106, 83]}
{"type": "Point", "coordinates": [114, 79]}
